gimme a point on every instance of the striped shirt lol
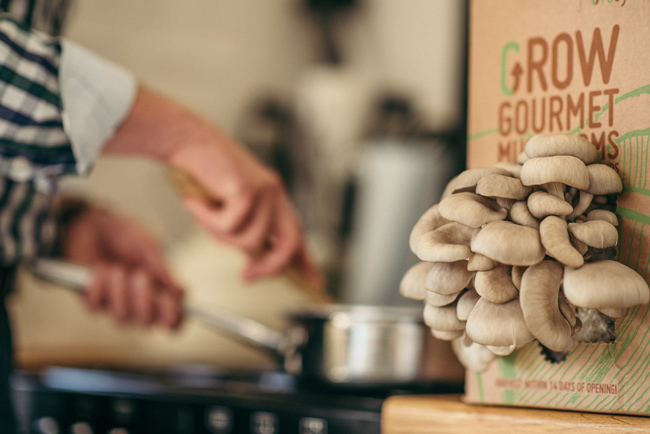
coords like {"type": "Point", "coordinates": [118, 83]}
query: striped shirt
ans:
{"type": "Point", "coordinates": [54, 117]}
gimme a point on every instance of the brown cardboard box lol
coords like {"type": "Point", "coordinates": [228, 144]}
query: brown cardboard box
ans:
{"type": "Point", "coordinates": [581, 67]}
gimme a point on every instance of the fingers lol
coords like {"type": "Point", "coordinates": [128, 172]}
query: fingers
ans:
{"type": "Point", "coordinates": [286, 236]}
{"type": "Point", "coordinates": [308, 269]}
{"type": "Point", "coordinates": [251, 235]}
{"type": "Point", "coordinates": [134, 297]}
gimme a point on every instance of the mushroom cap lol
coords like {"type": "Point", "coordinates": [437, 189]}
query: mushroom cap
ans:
{"type": "Point", "coordinates": [448, 243]}
{"type": "Point", "coordinates": [603, 214]}
{"type": "Point", "coordinates": [561, 168]}
{"type": "Point", "coordinates": [522, 158]}
{"type": "Point", "coordinates": [442, 318]}
{"type": "Point", "coordinates": [446, 335]}
{"type": "Point", "coordinates": [567, 311]}
{"type": "Point", "coordinates": [495, 185]}
{"type": "Point", "coordinates": [475, 357]}
{"type": "Point", "coordinates": [466, 303]}
{"type": "Point", "coordinates": [581, 247]}
{"type": "Point", "coordinates": [554, 233]}
{"type": "Point", "coordinates": [541, 204]}
{"type": "Point", "coordinates": [498, 324]}
{"type": "Point", "coordinates": [478, 262]}
{"type": "Point", "coordinates": [603, 180]}
{"type": "Point", "coordinates": [412, 284]}
{"type": "Point", "coordinates": [509, 243]}
{"type": "Point", "coordinates": [429, 221]}
{"type": "Point", "coordinates": [496, 285]}
{"type": "Point", "coordinates": [439, 300]}
{"type": "Point", "coordinates": [605, 284]}
{"type": "Point", "coordinates": [517, 274]}
{"type": "Point", "coordinates": [513, 168]}
{"type": "Point", "coordinates": [467, 180]}
{"type": "Point", "coordinates": [470, 209]}
{"type": "Point", "coordinates": [595, 233]}
{"type": "Point", "coordinates": [614, 312]}
{"type": "Point", "coordinates": [561, 144]}
{"type": "Point", "coordinates": [502, 351]}
{"type": "Point", "coordinates": [538, 297]}
{"type": "Point", "coordinates": [448, 278]}
{"type": "Point", "coordinates": [505, 203]}
{"type": "Point", "coordinates": [520, 214]}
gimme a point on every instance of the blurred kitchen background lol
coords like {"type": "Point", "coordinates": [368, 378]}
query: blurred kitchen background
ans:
{"type": "Point", "coordinates": [358, 103]}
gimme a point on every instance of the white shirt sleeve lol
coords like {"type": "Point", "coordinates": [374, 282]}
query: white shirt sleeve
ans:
{"type": "Point", "coordinates": [96, 95]}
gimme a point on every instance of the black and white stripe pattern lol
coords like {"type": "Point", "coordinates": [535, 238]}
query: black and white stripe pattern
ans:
{"type": "Point", "coordinates": [26, 224]}
{"type": "Point", "coordinates": [31, 126]}
{"type": "Point", "coordinates": [44, 15]}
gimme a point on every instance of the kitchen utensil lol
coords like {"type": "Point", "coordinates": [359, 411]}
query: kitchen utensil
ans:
{"type": "Point", "coordinates": [189, 187]}
{"type": "Point", "coordinates": [336, 345]}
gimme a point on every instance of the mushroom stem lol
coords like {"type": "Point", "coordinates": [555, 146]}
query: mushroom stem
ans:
{"type": "Point", "coordinates": [582, 205]}
{"type": "Point", "coordinates": [539, 294]}
{"type": "Point", "coordinates": [555, 188]}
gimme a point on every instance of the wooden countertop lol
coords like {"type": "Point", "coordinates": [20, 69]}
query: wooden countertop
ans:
{"type": "Point", "coordinates": [448, 415]}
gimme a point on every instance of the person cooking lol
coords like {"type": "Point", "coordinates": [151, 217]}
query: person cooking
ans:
{"type": "Point", "coordinates": [61, 106]}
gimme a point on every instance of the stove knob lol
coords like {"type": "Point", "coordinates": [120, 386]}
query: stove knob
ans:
{"type": "Point", "coordinates": [81, 428]}
{"type": "Point", "coordinates": [218, 420]}
{"type": "Point", "coordinates": [312, 425]}
{"type": "Point", "coordinates": [46, 425]}
{"type": "Point", "coordinates": [263, 422]}
{"type": "Point", "coordinates": [123, 410]}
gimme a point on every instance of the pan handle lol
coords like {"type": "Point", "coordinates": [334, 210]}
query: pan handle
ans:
{"type": "Point", "coordinates": [77, 277]}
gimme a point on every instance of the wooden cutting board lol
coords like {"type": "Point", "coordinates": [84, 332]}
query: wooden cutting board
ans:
{"type": "Point", "coordinates": [448, 415]}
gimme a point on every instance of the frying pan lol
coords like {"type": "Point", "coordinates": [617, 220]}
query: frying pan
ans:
{"type": "Point", "coordinates": [326, 344]}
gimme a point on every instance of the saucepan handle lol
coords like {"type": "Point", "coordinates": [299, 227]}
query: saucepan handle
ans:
{"type": "Point", "coordinates": [77, 277]}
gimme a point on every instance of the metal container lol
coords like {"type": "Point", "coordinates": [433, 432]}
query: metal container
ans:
{"type": "Point", "coordinates": [358, 345]}
{"type": "Point", "coordinates": [330, 344]}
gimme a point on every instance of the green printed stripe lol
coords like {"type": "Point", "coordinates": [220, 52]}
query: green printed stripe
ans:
{"type": "Point", "coordinates": [630, 214]}
{"type": "Point", "coordinates": [633, 93]}
{"type": "Point", "coordinates": [632, 134]}
{"type": "Point", "coordinates": [642, 191]}
{"type": "Point", "coordinates": [629, 253]}
{"type": "Point", "coordinates": [595, 348]}
{"type": "Point", "coordinates": [636, 376]}
{"type": "Point", "coordinates": [479, 382]}
{"type": "Point", "coordinates": [645, 172]}
{"type": "Point", "coordinates": [639, 157]}
{"type": "Point", "coordinates": [481, 134]}
{"type": "Point", "coordinates": [638, 256]}
{"type": "Point", "coordinates": [525, 354]}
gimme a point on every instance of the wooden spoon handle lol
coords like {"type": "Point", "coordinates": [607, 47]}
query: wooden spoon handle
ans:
{"type": "Point", "coordinates": [187, 186]}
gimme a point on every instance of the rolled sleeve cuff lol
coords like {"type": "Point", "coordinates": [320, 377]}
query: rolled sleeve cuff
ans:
{"type": "Point", "coordinates": [96, 95]}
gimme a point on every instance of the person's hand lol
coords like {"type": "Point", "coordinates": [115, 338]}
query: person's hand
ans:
{"type": "Point", "coordinates": [250, 210]}
{"type": "Point", "coordinates": [131, 280]}
{"type": "Point", "coordinates": [255, 213]}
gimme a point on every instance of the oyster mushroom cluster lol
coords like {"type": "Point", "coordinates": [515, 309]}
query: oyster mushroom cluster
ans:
{"type": "Point", "coordinates": [521, 252]}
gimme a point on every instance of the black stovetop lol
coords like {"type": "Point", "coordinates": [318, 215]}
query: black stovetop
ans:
{"type": "Point", "coordinates": [196, 400]}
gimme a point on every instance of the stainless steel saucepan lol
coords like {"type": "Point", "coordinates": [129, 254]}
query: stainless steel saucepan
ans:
{"type": "Point", "coordinates": [342, 345]}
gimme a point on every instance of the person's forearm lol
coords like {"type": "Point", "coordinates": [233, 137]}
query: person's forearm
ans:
{"type": "Point", "coordinates": [157, 127]}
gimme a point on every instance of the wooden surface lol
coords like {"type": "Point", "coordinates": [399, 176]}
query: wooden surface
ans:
{"type": "Point", "coordinates": [448, 415]}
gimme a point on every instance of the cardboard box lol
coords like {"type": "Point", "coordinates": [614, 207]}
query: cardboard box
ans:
{"type": "Point", "coordinates": [581, 67]}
